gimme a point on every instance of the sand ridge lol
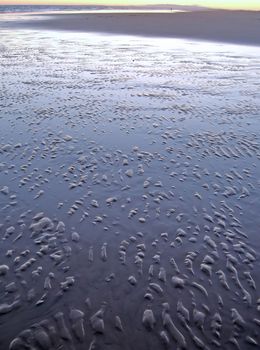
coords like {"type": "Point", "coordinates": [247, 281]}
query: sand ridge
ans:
{"type": "Point", "coordinates": [240, 27]}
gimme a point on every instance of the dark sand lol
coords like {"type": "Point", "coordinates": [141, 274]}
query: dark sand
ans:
{"type": "Point", "coordinates": [240, 27]}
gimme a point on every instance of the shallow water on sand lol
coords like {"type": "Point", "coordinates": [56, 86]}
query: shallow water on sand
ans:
{"type": "Point", "coordinates": [129, 193]}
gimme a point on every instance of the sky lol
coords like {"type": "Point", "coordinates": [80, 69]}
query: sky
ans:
{"type": "Point", "coordinates": [227, 4]}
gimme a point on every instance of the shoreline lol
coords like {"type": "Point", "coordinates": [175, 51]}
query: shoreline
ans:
{"type": "Point", "coordinates": [216, 26]}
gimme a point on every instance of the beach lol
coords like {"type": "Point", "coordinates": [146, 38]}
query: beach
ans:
{"type": "Point", "coordinates": [239, 27]}
{"type": "Point", "coordinates": [129, 183]}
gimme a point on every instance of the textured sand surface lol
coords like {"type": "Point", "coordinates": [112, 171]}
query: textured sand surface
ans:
{"type": "Point", "coordinates": [129, 193]}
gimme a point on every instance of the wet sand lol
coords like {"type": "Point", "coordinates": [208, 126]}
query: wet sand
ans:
{"type": "Point", "coordinates": [129, 193]}
{"type": "Point", "coordinates": [225, 26]}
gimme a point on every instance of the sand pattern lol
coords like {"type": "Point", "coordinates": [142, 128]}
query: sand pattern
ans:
{"type": "Point", "coordinates": [129, 193]}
